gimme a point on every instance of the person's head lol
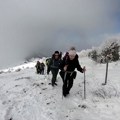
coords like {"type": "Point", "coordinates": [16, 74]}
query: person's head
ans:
{"type": "Point", "coordinates": [38, 62]}
{"type": "Point", "coordinates": [72, 53]}
{"type": "Point", "coordinates": [66, 55]}
{"type": "Point", "coordinates": [56, 55]}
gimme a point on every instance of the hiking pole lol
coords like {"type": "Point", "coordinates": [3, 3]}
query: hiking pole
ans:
{"type": "Point", "coordinates": [84, 86]}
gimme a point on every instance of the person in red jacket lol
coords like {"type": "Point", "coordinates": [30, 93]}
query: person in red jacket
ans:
{"type": "Point", "coordinates": [68, 73]}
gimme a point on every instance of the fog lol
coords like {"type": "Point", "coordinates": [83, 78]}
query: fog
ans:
{"type": "Point", "coordinates": [39, 27]}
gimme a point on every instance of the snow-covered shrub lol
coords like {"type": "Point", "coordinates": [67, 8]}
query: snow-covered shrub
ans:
{"type": "Point", "coordinates": [111, 47]}
{"type": "Point", "coordinates": [84, 53]}
{"type": "Point", "coordinates": [106, 92]}
{"type": "Point", "coordinates": [109, 50]}
{"type": "Point", "coordinates": [93, 55]}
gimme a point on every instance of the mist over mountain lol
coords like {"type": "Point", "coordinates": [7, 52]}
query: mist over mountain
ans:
{"type": "Point", "coordinates": [39, 27]}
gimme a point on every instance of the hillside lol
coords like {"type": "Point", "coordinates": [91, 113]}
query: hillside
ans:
{"type": "Point", "coordinates": [24, 95]}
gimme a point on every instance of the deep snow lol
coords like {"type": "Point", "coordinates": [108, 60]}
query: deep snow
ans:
{"type": "Point", "coordinates": [24, 95]}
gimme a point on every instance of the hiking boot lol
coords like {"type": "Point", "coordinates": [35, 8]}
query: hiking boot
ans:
{"type": "Point", "coordinates": [67, 92]}
{"type": "Point", "coordinates": [55, 84]}
{"type": "Point", "coordinates": [64, 95]}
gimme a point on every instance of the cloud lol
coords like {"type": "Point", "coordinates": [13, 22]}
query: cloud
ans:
{"type": "Point", "coordinates": [42, 26]}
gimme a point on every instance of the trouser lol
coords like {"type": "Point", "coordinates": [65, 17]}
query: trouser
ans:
{"type": "Point", "coordinates": [38, 71]}
{"type": "Point", "coordinates": [48, 70]}
{"type": "Point", "coordinates": [42, 71]}
{"type": "Point", "coordinates": [68, 78]}
{"type": "Point", "coordinates": [54, 75]}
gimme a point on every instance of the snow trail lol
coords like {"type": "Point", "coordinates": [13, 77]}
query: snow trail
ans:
{"type": "Point", "coordinates": [24, 95]}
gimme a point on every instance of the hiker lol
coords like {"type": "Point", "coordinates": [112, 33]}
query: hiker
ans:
{"type": "Point", "coordinates": [42, 67]}
{"type": "Point", "coordinates": [68, 73]}
{"type": "Point", "coordinates": [54, 66]}
{"type": "Point", "coordinates": [47, 64]}
{"type": "Point", "coordinates": [66, 56]}
{"type": "Point", "coordinates": [38, 70]}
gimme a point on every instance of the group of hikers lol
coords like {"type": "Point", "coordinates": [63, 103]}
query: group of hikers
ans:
{"type": "Point", "coordinates": [40, 67]}
{"type": "Point", "coordinates": [67, 66]}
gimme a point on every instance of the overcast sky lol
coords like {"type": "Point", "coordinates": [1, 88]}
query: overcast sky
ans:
{"type": "Point", "coordinates": [42, 26]}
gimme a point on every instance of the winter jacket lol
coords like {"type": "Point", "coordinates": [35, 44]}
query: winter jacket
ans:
{"type": "Point", "coordinates": [42, 66]}
{"type": "Point", "coordinates": [54, 64]}
{"type": "Point", "coordinates": [71, 64]}
{"type": "Point", "coordinates": [38, 65]}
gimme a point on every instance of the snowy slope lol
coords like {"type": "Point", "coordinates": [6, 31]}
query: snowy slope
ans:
{"type": "Point", "coordinates": [24, 95]}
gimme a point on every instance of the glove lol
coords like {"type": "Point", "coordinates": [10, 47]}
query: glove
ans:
{"type": "Point", "coordinates": [84, 69]}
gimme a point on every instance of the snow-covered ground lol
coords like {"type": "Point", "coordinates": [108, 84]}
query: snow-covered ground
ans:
{"type": "Point", "coordinates": [24, 95]}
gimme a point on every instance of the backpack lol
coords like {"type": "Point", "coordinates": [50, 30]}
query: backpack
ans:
{"type": "Point", "coordinates": [48, 61]}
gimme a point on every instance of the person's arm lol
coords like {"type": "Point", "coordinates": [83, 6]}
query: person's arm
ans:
{"type": "Point", "coordinates": [48, 70]}
{"type": "Point", "coordinates": [79, 68]}
{"type": "Point", "coordinates": [61, 65]}
{"type": "Point", "coordinates": [64, 64]}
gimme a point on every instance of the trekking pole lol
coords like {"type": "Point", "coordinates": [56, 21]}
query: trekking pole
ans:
{"type": "Point", "coordinates": [84, 86]}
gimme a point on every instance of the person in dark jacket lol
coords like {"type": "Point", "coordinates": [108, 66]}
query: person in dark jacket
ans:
{"type": "Point", "coordinates": [68, 73]}
{"type": "Point", "coordinates": [47, 64]}
{"type": "Point", "coordinates": [42, 68]}
{"type": "Point", "coordinates": [38, 67]}
{"type": "Point", "coordinates": [66, 56]}
{"type": "Point", "coordinates": [54, 66]}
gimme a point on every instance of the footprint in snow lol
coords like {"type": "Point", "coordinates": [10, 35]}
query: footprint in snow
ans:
{"type": "Point", "coordinates": [10, 119]}
{"type": "Point", "coordinates": [82, 106]}
{"type": "Point", "coordinates": [36, 84]}
{"type": "Point", "coordinates": [44, 89]}
{"type": "Point", "coordinates": [8, 113]}
{"type": "Point", "coordinates": [48, 103]}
